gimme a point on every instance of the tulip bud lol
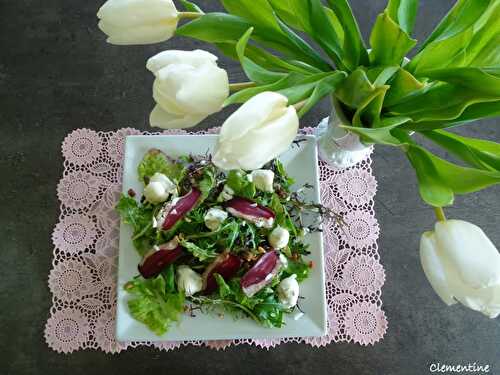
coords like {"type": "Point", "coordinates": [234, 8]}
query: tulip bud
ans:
{"type": "Point", "coordinates": [138, 21]}
{"type": "Point", "coordinates": [259, 131]}
{"type": "Point", "coordinates": [189, 86]}
{"type": "Point", "coordinates": [462, 265]}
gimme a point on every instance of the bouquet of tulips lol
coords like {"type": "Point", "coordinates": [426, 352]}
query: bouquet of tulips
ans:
{"type": "Point", "coordinates": [296, 52]}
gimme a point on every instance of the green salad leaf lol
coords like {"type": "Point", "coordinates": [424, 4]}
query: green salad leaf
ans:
{"type": "Point", "coordinates": [156, 161]}
{"type": "Point", "coordinates": [201, 253]}
{"type": "Point", "coordinates": [239, 182]}
{"type": "Point", "coordinates": [153, 305]}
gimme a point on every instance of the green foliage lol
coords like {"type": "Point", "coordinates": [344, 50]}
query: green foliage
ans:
{"type": "Point", "coordinates": [156, 161]}
{"type": "Point", "coordinates": [262, 307]}
{"type": "Point", "coordinates": [452, 80]}
{"type": "Point", "coordinates": [191, 7]}
{"type": "Point", "coordinates": [241, 185]}
{"type": "Point", "coordinates": [404, 13]}
{"type": "Point", "coordinates": [201, 253]}
{"type": "Point", "coordinates": [140, 218]}
{"type": "Point", "coordinates": [390, 43]}
{"type": "Point", "coordinates": [155, 303]}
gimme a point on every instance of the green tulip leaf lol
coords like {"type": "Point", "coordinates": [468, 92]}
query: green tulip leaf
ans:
{"type": "Point", "coordinates": [440, 102]}
{"type": "Point", "coordinates": [354, 50]}
{"type": "Point", "coordinates": [463, 15]}
{"type": "Point", "coordinates": [403, 84]}
{"type": "Point", "coordinates": [303, 89]}
{"type": "Point", "coordinates": [476, 152]}
{"type": "Point", "coordinates": [355, 89]}
{"type": "Point", "coordinates": [305, 51]}
{"type": "Point", "coordinates": [324, 87]}
{"type": "Point", "coordinates": [323, 32]}
{"type": "Point", "coordinates": [191, 7]}
{"type": "Point", "coordinates": [439, 179]}
{"type": "Point", "coordinates": [382, 133]}
{"type": "Point", "coordinates": [242, 96]}
{"type": "Point", "coordinates": [485, 80]}
{"type": "Point", "coordinates": [404, 13]}
{"type": "Point", "coordinates": [257, 12]}
{"type": "Point", "coordinates": [255, 72]}
{"type": "Point", "coordinates": [368, 112]}
{"type": "Point", "coordinates": [390, 43]}
{"type": "Point", "coordinates": [442, 53]}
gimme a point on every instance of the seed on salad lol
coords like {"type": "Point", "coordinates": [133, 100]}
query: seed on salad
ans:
{"type": "Point", "coordinates": [131, 193]}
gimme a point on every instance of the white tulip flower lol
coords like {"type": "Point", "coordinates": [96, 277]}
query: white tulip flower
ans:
{"type": "Point", "coordinates": [189, 86]}
{"type": "Point", "coordinates": [462, 265]}
{"type": "Point", "coordinates": [214, 217]}
{"type": "Point", "coordinates": [188, 281]}
{"type": "Point", "coordinates": [279, 238]}
{"type": "Point", "coordinates": [288, 291]}
{"type": "Point", "coordinates": [260, 130]}
{"type": "Point", "coordinates": [263, 179]}
{"type": "Point", "coordinates": [138, 21]}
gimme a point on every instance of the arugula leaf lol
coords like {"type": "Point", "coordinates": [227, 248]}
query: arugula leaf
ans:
{"type": "Point", "coordinates": [156, 161]}
{"type": "Point", "coordinates": [263, 306]}
{"type": "Point", "coordinates": [152, 305]}
{"type": "Point", "coordinates": [299, 268]}
{"type": "Point", "coordinates": [206, 183]}
{"type": "Point", "coordinates": [202, 254]}
{"type": "Point", "coordinates": [133, 214]}
{"type": "Point", "coordinates": [281, 175]}
{"type": "Point", "coordinates": [270, 311]}
{"type": "Point", "coordinates": [238, 181]}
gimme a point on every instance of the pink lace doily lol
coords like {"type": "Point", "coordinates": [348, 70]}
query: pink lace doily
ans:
{"type": "Point", "coordinates": [83, 275]}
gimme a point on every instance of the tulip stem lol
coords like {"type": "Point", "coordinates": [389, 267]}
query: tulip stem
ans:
{"type": "Point", "coordinates": [440, 213]}
{"type": "Point", "coordinates": [240, 86]}
{"type": "Point", "coordinates": [190, 15]}
{"type": "Point", "coordinates": [299, 105]}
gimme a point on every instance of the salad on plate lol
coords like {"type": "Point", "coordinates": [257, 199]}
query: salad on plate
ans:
{"type": "Point", "coordinates": [214, 241]}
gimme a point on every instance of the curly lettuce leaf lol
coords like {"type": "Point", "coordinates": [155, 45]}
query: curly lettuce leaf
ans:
{"type": "Point", "coordinates": [155, 161]}
{"type": "Point", "coordinates": [153, 305]}
{"type": "Point", "coordinates": [238, 181]}
{"type": "Point", "coordinates": [140, 218]}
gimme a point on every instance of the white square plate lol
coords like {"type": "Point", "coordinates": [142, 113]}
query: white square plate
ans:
{"type": "Point", "coordinates": [302, 164]}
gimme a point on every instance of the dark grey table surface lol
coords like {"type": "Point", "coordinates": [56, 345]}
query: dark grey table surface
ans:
{"type": "Point", "coordinates": [58, 74]}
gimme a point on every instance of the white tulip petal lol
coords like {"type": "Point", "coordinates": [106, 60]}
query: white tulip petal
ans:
{"type": "Point", "coordinates": [144, 34]}
{"type": "Point", "coordinates": [131, 13]}
{"type": "Point", "coordinates": [204, 90]}
{"type": "Point", "coordinates": [161, 119]}
{"type": "Point", "coordinates": [434, 269]}
{"type": "Point", "coordinates": [253, 113]}
{"type": "Point", "coordinates": [257, 132]}
{"type": "Point", "coordinates": [194, 58]}
{"type": "Point", "coordinates": [486, 300]}
{"type": "Point", "coordinates": [470, 252]}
